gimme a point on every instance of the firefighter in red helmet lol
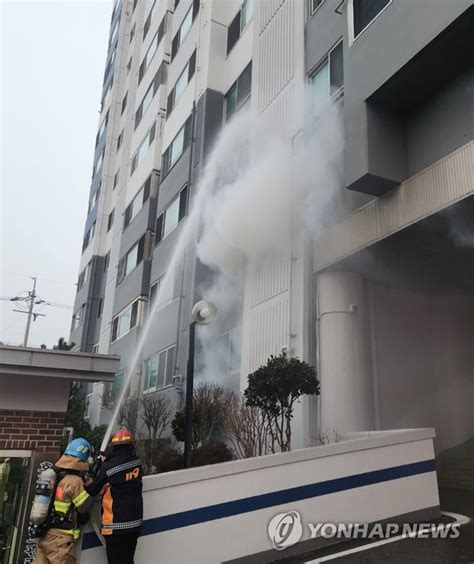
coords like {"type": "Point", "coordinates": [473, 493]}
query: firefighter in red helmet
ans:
{"type": "Point", "coordinates": [119, 481]}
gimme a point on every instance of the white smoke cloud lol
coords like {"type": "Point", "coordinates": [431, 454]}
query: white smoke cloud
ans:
{"type": "Point", "coordinates": [246, 205]}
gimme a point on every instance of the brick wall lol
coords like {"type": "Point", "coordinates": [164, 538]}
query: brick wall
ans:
{"type": "Point", "coordinates": [33, 430]}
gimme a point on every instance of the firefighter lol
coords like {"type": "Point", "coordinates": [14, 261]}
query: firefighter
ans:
{"type": "Point", "coordinates": [120, 482]}
{"type": "Point", "coordinates": [70, 508]}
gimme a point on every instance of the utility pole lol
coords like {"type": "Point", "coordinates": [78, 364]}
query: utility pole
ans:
{"type": "Point", "coordinates": [30, 313]}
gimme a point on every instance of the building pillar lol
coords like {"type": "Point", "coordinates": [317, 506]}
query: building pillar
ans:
{"type": "Point", "coordinates": [344, 361]}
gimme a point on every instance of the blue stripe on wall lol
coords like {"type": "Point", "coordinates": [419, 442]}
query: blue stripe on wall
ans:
{"type": "Point", "coordinates": [254, 503]}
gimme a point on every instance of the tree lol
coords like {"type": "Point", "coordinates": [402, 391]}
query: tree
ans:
{"type": "Point", "coordinates": [63, 345]}
{"type": "Point", "coordinates": [210, 402]}
{"type": "Point", "coordinates": [128, 414]}
{"type": "Point", "coordinates": [276, 387]}
{"type": "Point", "coordinates": [76, 410]}
{"type": "Point", "coordinates": [248, 429]}
{"type": "Point", "coordinates": [156, 416]}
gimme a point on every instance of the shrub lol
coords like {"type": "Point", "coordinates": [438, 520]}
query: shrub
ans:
{"type": "Point", "coordinates": [212, 453]}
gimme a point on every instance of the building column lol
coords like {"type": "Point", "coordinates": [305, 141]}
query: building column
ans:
{"type": "Point", "coordinates": [344, 361]}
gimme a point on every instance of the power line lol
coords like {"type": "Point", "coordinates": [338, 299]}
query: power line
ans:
{"type": "Point", "coordinates": [39, 278]}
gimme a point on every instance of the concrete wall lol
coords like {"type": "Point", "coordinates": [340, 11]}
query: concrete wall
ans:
{"type": "Point", "coordinates": [221, 513]}
{"type": "Point", "coordinates": [424, 363]}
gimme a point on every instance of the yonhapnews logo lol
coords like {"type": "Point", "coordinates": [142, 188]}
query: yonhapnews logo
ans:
{"type": "Point", "coordinates": [285, 530]}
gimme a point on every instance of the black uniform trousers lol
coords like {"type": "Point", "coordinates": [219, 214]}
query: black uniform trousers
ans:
{"type": "Point", "coordinates": [121, 547]}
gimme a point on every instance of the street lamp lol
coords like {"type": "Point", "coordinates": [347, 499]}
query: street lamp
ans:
{"type": "Point", "coordinates": [203, 313]}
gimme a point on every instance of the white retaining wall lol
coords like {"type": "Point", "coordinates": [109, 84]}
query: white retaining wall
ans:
{"type": "Point", "coordinates": [221, 512]}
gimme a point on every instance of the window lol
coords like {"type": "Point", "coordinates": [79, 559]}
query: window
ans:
{"type": "Point", "coordinates": [83, 276]}
{"type": "Point", "coordinates": [116, 179]}
{"type": "Point", "coordinates": [88, 237]}
{"type": "Point", "coordinates": [143, 148]}
{"type": "Point", "coordinates": [125, 321]}
{"type": "Point", "coordinates": [159, 370]}
{"type": "Point", "coordinates": [102, 128]}
{"type": "Point", "coordinates": [114, 33]}
{"type": "Point", "coordinates": [106, 260]}
{"type": "Point", "coordinates": [117, 383]}
{"type": "Point", "coordinates": [152, 49]}
{"type": "Point", "coordinates": [119, 140]}
{"type": "Point", "coordinates": [328, 79]}
{"type": "Point", "coordinates": [124, 102]}
{"type": "Point", "coordinates": [239, 23]}
{"type": "Point", "coordinates": [180, 86]}
{"type": "Point", "coordinates": [177, 147]}
{"type": "Point", "coordinates": [173, 214]}
{"type": "Point", "coordinates": [365, 11]}
{"type": "Point", "coordinates": [229, 351]}
{"type": "Point", "coordinates": [149, 94]}
{"type": "Point", "coordinates": [88, 406]}
{"type": "Point", "coordinates": [150, 17]}
{"type": "Point", "coordinates": [314, 5]}
{"type": "Point", "coordinates": [136, 204]}
{"type": "Point", "coordinates": [100, 307]}
{"type": "Point", "coordinates": [239, 93]}
{"type": "Point", "coordinates": [131, 259]}
{"type": "Point", "coordinates": [110, 220]}
{"type": "Point", "coordinates": [98, 162]}
{"type": "Point", "coordinates": [93, 199]}
{"type": "Point", "coordinates": [129, 65]}
{"type": "Point", "coordinates": [132, 33]}
{"type": "Point", "coordinates": [105, 97]}
{"type": "Point", "coordinates": [77, 317]}
{"type": "Point", "coordinates": [184, 28]}
{"type": "Point", "coordinates": [95, 348]}
{"type": "Point", "coordinates": [163, 290]}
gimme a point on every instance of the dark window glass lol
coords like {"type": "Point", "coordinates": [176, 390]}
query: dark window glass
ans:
{"type": "Point", "coordinates": [233, 32]}
{"type": "Point", "coordinates": [192, 66]}
{"type": "Point", "coordinates": [153, 290]}
{"type": "Point", "coordinates": [127, 215]}
{"type": "Point", "coordinates": [134, 316]}
{"type": "Point", "coordinates": [174, 45]}
{"type": "Point", "coordinates": [146, 189]}
{"type": "Point", "coordinates": [336, 72]}
{"type": "Point", "coordinates": [183, 203]}
{"type": "Point", "coordinates": [100, 307]}
{"type": "Point", "coordinates": [159, 229]}
{"type": "Point", "coordinates": [124, 102]}
{"type": "Point", "coordinates": [141, 248]}
{"type": "Point", "coordinates": [114, 328]}
{"type": "Point", "coordinates": [244, 85]}
{"type": "Point", "coordinates": [170, 102]}
{"type": "Point", "coordinates": [110, 220]}
{"type": "Point", "coordinates": [196, 5]}
{"type": "Point", "coordinates": [106, 261]}
{"type": "Point", "coordinates": [152, 134]}
{"type": "Point", "coordinates": [365, 11]}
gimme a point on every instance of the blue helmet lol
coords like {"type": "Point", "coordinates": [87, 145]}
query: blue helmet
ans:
{"type": "Point", "coordinates": [79, 448]}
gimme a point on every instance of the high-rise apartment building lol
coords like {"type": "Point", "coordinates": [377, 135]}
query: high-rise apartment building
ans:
{"type": "Point", "coordinates": [375, 288]}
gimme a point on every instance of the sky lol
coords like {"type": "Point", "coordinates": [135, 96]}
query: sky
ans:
{"type": "Point", "coordinates": [52, 61]}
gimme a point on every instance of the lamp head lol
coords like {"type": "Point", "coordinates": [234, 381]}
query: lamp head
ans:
{"type": "Point", "coordinates": [204, 312]}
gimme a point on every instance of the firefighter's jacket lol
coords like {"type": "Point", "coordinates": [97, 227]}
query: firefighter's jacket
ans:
{"type": "Point", "coordinates": [120, 482]}
{"type": "Point", "coordinates": [70, 497]}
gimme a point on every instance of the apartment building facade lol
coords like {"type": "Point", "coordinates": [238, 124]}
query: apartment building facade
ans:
{"type": "Point", "coordinates": [361, 297]}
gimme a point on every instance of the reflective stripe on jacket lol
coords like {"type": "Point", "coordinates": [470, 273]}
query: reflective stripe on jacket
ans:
{"type": "Point", "coordinates": [70, 498]}
{"type": "Point", "coordinates": [120, 482]}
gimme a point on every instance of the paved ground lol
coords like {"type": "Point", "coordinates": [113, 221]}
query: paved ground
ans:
{"type": "Point", "coordinates": [416, 551]}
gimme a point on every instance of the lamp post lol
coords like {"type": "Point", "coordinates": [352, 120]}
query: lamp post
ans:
{"type": "Point", "coordinates": [203, 313]}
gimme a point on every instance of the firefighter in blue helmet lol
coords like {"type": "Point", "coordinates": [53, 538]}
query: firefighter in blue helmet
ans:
{"type": "Point", "coordinates": [70, 507]}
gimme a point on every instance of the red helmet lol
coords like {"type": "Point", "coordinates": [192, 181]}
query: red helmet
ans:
{"type": "Point", "coordinates": [122, 437]}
